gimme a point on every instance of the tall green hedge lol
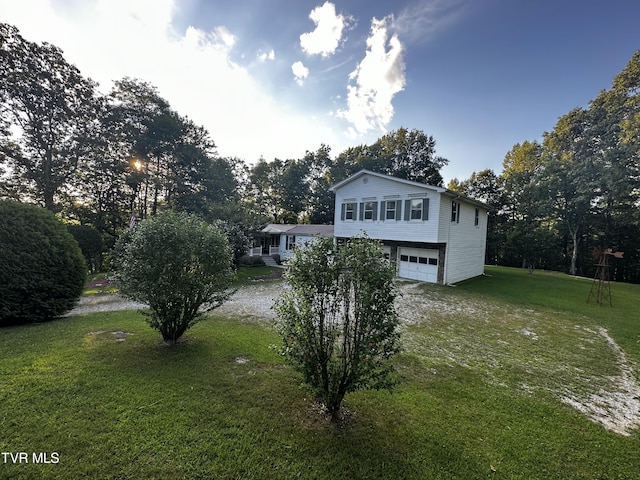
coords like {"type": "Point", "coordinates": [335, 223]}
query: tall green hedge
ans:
{"type": "Point", "coordinates": [42, 270]}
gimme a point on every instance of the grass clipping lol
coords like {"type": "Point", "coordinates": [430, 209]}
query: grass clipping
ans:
{"type": "Point", "coordinates": [531, 350]}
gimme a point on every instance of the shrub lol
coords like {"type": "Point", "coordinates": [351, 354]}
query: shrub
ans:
{"type": "Point", "coordinates": [90, 242]}
{"type": "Point", "coordinates": [338, 321]}
{"type": "Point", "coordinates": [42, 271]}
{"type": "Point", "coordinates": [255, 261]}
{"type": "Point", "coordinates": [179, 265]}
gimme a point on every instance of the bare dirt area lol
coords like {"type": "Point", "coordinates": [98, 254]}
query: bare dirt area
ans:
{"type": "Point", "coordinates": [582, 367]}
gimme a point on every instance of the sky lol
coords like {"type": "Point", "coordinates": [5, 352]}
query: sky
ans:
{"type": "Point", "coordinates": [278, 78]}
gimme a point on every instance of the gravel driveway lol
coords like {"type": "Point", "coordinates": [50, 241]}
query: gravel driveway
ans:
{"type": "Point", "coordinates": [252, 300]}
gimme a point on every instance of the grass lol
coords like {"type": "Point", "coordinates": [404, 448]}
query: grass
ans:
{"type": "Point", "coordinates": [478, 397]}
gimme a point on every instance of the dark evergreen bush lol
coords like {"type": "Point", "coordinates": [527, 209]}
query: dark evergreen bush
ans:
{"type": "Point", "coordinates": [42, 271]}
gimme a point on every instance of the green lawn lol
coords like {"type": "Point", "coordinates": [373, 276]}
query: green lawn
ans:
{"type": "Point", "coordinates": [480, 396]}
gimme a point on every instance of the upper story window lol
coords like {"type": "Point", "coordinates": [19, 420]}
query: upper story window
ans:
{"type": "Point", "coordinates": [416, 209]}
{"type": "Point", "coordinates": [477, 218]}
{"type": "Point", "coordinates": [390, 210]}
{"type": "Point", "coordinates": [348, 211]}
{"type": "Point", "coordinates": [369, 208]}
{"type": "Point", "coordinates": [455, 212]}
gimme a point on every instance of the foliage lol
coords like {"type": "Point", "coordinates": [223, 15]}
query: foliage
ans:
{"type": "Point", "coordinates": [338, 321]}
{"type": "Point", "coordinates": [577, 190]}
{"type": "Point", "coordinates": [179, 265]}
{"type": "Point", "coordinates": [52, 107]}
{"type": "Point", "coordinates": [402, 153]}
{"type": "Point", "coordinates": [90, 242]}
{"type": "Point", "coordinates": [42, 271]}
{"type": "Point", "coordinates": [255, 261]}
{"type": "Point", "coordinates": [238, 236]}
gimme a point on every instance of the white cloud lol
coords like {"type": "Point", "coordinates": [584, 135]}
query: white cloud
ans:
{"type": "Point", "coordinates": [324, 40]}
{"type": "Point", "coordinates": [419, 21]}
{"type": "Point", "coordinates": [110, 39]}
{"type": "Point", "coordinates": [378, 77]}
{"type": "Point", "coordinates": [300, 72]}
{"type": "Point", "coordinates": [264, 56]}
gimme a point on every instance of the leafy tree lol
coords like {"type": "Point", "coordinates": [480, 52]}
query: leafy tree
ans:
{"type": "Point", "coordinates": [179, 265]}
{"type": "Point", "coordinates": [239, 237]}
{"type": "Point", "coordinates": [408, 154]}
{"type": "Point", "coordinates": [320, 201]}
{"type": "Point", "coordinates": [51, 106]}
{"type": "Point", "coordinates": [90, 242]}
{"type": "Point", "coordinates": [42, 271]}
{"type": "Point", "coordinates": [487, 187]}
{"type": "Point", "coordinates": [568, 177]}
{"type": "Point", "coordinates": [338, 322]}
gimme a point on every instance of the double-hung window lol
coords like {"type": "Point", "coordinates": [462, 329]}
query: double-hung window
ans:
{"type": "Point", "coordinates": [368, 210]}
{"type": "Point", "coordinates": [455, 212]}
{"type": "Point", "coordinates": [349, 211]}
{"type": "Point", "coordinates": [390, 210]}
{"type": "Point", "coordinates": [416, 209]}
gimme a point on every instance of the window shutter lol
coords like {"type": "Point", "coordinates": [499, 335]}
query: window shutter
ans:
{"type": "Point", "coordinates": [361, 217]}
{"type": "Point", "coordinates": [459, 212]}
{"type": "Point", "coordinates": [343, 212]}
{"type": "Point", "coordinates": [374, 214]}
{"type": "Point", "coordinates": [425, 209]}
{"type": "Point", "coordinates": [407, 210]}
{"type": "Point", "coordinates": [398, 208]}
{"type": "Point", "coordinates": [383, 210]}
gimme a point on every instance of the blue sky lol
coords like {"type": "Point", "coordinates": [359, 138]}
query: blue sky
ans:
{"type": "Point", "coordinates": [275, 78]}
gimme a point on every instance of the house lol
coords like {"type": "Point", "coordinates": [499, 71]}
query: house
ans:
{"type": "Point", "coordinates": [430, 233]}
{"type": "Point", "coordinates": [279, 239]}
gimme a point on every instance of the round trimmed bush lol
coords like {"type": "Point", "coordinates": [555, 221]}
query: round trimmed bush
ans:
{"type": "Point", "coordinates": [42, 270]}
{"type": "Point", "coordinates": [179, 265]}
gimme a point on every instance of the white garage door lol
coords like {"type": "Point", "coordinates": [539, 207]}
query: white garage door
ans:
{"type": "Point", "coordinates": [418, 264]}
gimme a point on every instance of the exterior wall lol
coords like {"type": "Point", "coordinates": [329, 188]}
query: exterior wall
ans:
{"type": "Point", "coordinates": [466, 242]}
{"type": "Point", "coordinates": [461, 244]}
{"type": "Point", "coordinates": [369, 188]}
{"type": "Point", "coordinates": [299, 242]}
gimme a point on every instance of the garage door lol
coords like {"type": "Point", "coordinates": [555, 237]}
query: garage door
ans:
{"type": "Point", "coordinates": [418, 264]}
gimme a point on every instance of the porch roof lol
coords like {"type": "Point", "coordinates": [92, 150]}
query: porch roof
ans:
{"type": "Point", "coordinates": [308, 230]}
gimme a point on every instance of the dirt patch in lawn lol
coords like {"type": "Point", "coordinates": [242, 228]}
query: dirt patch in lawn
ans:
{"type": "Point", "coordinates": [617, 408]}
{"type": "Point", "coordinates": [533, 350]}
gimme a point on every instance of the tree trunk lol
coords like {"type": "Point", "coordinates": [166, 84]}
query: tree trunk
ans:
{"type": "Point", "coordinates": [574, 251]}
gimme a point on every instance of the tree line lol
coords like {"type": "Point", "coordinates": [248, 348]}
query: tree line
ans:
{"type": "Point", "coordinates": [561, 200]}
{"type": "Point", "coordinates": [95, 159]}
{"type": "Point", "coordinates": [92, 158]}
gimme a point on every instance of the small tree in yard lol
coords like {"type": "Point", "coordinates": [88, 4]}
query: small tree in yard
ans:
{"type": "Point", "coordinates": [338, 321]}
{"type": "Point", "coordinates": [179, 265]}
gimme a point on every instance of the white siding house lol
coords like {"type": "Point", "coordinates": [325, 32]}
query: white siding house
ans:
{"type": "Point", "coordinates": [280, 239]}
{"type": "Point", "coordinates": [430, 233]}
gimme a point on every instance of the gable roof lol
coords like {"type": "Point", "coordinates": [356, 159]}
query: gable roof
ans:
{"type": "Point", "coordinates": [443, 191]}
{"type": "Point", "coordinates": [363, 172]}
